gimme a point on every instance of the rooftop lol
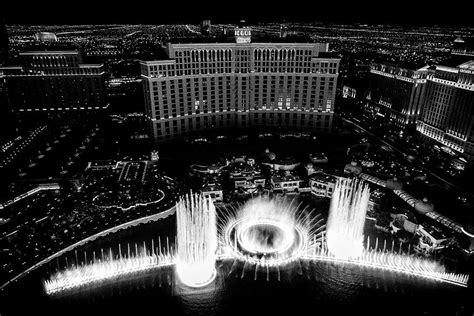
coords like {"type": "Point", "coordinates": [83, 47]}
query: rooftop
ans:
{"type": "Point", "coordinates": [447, 69]}
{"type": "Point", "coordinates": [467, 65]}
{"type": "Point", "coordinates": [323, 177]}
{"type": "Point", "coordinates": [435, 232]}
{"type": "Point", "coordinates": [285, 161]}
{"type": "Point", "coordinates": [209, 187]}
{"type": "Point", "coordinates": [49, 52]}
{"type": "Point", "coordinates": [192, 44]}
{"type": "Point", "coordinates": [284, 176]}
{"type": "Point", "coordinates": [242, 167]}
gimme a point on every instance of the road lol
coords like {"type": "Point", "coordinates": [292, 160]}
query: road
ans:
{"type": "Point", "coordinates": [417, 160]}
{"type": "Point", "coordinates": [191, 30]}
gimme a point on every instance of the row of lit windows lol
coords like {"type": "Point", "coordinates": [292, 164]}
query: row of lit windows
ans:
{"type": "Point", "coordinates": [188, 104]}
{"type": "Point", "coordinates": [205, 55]}
{"type": "Point", "coordinates": [241, 65]}
{"type": "Point", "coordinates": [51, 61]}
{"type": "Point", "coordinates": [258, 54]}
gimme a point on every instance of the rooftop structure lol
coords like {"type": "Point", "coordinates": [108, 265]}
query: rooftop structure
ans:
{"type": "Point", "coordinates": [213, 190]}
{"type": "Point", "coordinates": [46, 37]}
{"type": "Point", "coordinates": [463, 47]}
{"type": "Point", "coordinates": [285, 181]}
{"type": "Point", "coordinates": [431, 238]}
{"type": "Point", "coordinates": [322, 184]}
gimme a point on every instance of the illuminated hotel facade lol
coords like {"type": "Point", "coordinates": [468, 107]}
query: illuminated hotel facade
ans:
{"type": "Point", "coordinates": [396, 93]}
{"type": "Point", "coordinates": [54, 82]}
{"type": "Point", "coordinates": [241, 84]}
{"type": "Point", "coordinates": [447, 114]}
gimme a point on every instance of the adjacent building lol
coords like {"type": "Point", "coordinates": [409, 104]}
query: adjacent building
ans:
{"type": "Point", "coordinates": [437, 99]}
{"type": "Point", "coordinates": [463, 47]}
{"type": "Point", "coordinates": [54, 81]}
{"type": "Point", "coordinates": [246, 175]}
{"type": "Point", "coordinates": [431, 239]}
{"type": "Point", "coordinates": [349, 92]}
{"type": "Point", "coordinates": [322, 184]}
{"type": "Point", "coordinates": [285, 181]}
{"type": "Point", "coordinates": [214, 191]}
{"type": "Point", "coordinates": [241, 84]}
{"type": "Point", "coordinates": [447, 114]}
{"type": "Point", "coordinates": [206, 27]}
{"type": "Point", "coordinates": [396, 93]}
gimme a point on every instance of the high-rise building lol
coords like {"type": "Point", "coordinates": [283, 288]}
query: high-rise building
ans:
{"type": "Point", "coordinates": [206, 27]}
{"type": "Point", "coordinates": [448, 107]}
{"type": "Point", "coordinates": [54, 81]}
{"type": "Point", "coordinates": [463, 47]}
{"type": "Point", "coordinates": [242, 84]}
{"type": "Point", "coordinates": [46, 37]}
{"type": "Point", "coordinates": [396, 93]}
{"type": "Point", "coordinates": [283, 30]}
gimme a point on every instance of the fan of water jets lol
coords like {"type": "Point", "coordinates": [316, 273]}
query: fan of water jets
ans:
{"type": "Point", "coordinates": [269, 231]}
{"type": "Point", "coordinates": [265, 233]}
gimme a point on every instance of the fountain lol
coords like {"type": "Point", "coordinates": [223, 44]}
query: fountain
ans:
{"type": "Point", "coordinates": [346, 219]}
{"type": "Point", "coordinates": [196, 240]}
{"type": "Point", "coordinates": [109, 266]}
{"type": "Point", "coordinates": [265, 233]}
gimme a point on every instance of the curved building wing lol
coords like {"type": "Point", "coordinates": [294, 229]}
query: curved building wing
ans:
{"type": "Point", "coordinates": [218, 85]}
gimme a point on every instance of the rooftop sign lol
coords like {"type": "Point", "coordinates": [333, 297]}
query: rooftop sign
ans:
{"type": "Point", "coordinates": [242, 35]}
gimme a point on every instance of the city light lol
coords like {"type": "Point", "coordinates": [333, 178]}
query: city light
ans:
{"type": "Point", "coordinates": [328, 161]}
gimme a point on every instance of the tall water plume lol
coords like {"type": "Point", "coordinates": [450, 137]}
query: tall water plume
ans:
{"type": "Point", "coordinates": [346, 219]}
{"type": "Point", "coordinates": [196, 240]}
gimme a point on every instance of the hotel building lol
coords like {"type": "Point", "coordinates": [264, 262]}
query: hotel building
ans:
{"type": "Point", "coordinates": [241, 84]}
{"type": "Point", "coordinates": [396, 93]}
{"type": "Point", "coordinates": [463, 47]}
{"type": "Point", "coordinates": [447, 114]}
{"type": "Point", "coordinates": [54, 81]}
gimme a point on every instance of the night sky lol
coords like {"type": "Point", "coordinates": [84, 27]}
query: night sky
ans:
{"type": "Point", "coordinates": [175, 11]}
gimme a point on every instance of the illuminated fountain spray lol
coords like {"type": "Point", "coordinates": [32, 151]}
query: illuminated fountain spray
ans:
{"type": "Point", "coordinates": [268, 232]}
{"type": "Point", "coordinates": [346, 219]}
{"type": "Point", "coordinates": [109, 266]}
{"type": "Point", "coordinates": [196, 240]}
{"type": "Point", "coordinates": [265, 233]}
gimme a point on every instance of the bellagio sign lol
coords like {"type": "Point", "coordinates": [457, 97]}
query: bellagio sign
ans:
{"type": "Point", "coordinates": [242, 35]}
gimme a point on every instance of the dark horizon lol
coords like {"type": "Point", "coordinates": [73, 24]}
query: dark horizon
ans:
{"type": "Point", "coordinates": [404, 13]}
